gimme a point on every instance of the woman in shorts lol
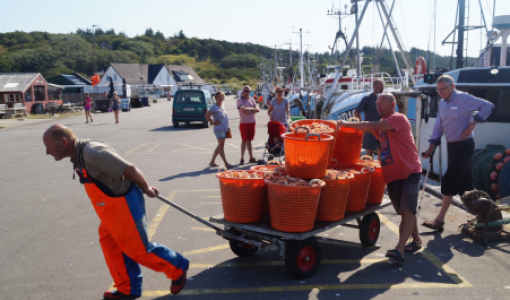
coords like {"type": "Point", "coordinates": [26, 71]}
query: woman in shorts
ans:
{"type": "Point", "coordinates": [217, 116]}
{"type": "Point", "coordinates": [87, 106]}
{"type": "Point", "coordinates": [115, 105]}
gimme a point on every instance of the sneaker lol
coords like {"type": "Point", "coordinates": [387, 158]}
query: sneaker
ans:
{"type": "Point", "coordinates": [178, 284]}
{"type": "Point", "coordinates": [87, 122]}
{"type": "Point", "coordinates": [118, 295]}
{"type": "Point", "coordinates": [116, 121]}
{"type": "Point", "coordinates": [91, 121]}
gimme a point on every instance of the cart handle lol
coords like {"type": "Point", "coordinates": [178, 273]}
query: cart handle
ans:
{"type": "Point", "coordinates": [304, 128]}
{"type": "Point", "coordinates": [312, 134]}
{"type": "Point", "coordinates": [274, 161]}
{"type": "Point", "coordinates": [186, 212]}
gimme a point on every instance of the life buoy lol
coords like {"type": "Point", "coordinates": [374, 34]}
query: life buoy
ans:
{"type": "Point", "coordinates": [420, 66]}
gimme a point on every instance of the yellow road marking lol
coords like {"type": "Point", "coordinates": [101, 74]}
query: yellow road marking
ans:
{"type": "Point", "coordinates": [153, 226]}
{"type": "Point", "coordinates": [454, 276]}
{"type": "Point", "coordinates": [196, 147]}
{"type": "Point", "coordinates": [202, 228]}
{"type": "Point", "coordinates": [198, 251]}
{"type": "Point", "coordinates": [150, 150]}
{"type": "Point", "coordinates": [135, 148]}
{"type": "Point", "coordinates": [234, 146]}
{"type": "Point", "coordinates": [306, 288]}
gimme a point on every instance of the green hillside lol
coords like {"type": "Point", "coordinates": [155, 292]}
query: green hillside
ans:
{"type": "Point", "coordinates": [215, 61]}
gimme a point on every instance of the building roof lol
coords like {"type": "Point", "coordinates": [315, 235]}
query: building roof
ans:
{"type": "Point", "coordinates": [66, 79]}
{"type": "Point", "coordinates": [132, 73]}
{"type": "Point", "coordinates": [16, 82]}
{"type": "Point", "coordinates": [185, 70]}
{"type": "Point", "coordinates": [153, 72]}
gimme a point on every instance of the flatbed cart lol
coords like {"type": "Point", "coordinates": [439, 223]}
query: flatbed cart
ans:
{"type": "Point", "coordinates": [301, 251]}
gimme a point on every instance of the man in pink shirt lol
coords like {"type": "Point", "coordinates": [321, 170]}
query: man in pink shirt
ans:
{"type": "Point", "coordinates": [401, 168]}
{"type": "Point", "coordinates": [247, 109]}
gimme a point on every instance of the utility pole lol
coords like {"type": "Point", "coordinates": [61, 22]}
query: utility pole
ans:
{"type": "Point", "coordinates": [94, 49]}
{"type": "Point", "coordinates": [461, 28]}
{"type": "Point", "coordinates": [301, 66]}
{"type": "Point", "coordinates": [358, 60]}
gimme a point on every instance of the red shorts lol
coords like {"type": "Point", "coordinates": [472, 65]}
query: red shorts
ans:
{"type": "Point", "coordinates": [247, 131]}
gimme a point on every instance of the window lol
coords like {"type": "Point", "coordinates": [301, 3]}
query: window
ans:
{"type": "Point", "coordinates": [39, 93]}
{"type": "Point", "coordinates": [54, 93]}
{"type": "Point", "coordinates": [190, 98]}
{"type": "Point", "coordinates": [28, 95]}
{"type": "Point", "coordinates": [114, 76]}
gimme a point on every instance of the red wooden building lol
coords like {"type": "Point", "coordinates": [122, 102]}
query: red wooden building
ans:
{"type": "Point", "coordinates": [28, 88]}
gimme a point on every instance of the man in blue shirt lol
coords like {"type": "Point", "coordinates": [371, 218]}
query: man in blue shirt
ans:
{"type": "Point", "coordinates": [456, 122]}
{"type": "Point", "coordinates": [369, 108]}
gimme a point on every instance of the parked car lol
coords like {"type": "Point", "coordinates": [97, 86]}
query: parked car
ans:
{"type": "Point", "coordinates": [191, 106]}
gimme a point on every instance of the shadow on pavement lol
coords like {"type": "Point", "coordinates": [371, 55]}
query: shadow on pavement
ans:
{"type": "Point", "coordinates": [191, 174]}
{"type": "Point", "coordinates": [181, 127]}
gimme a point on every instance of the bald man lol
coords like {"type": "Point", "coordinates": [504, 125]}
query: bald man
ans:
{"type": "Point", "coordinates": [401, 168]}
{"type": "Point", "coordinates": [115, 188]}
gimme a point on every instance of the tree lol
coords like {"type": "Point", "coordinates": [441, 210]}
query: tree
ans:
{"type": "Point", "coordinates": [149, 32]}
{"type": "Point", "coordinates": [159, 36]}
{"type": "Point", "coordinates": [181, 35]}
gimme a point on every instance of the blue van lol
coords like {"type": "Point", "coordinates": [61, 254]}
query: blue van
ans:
{"type": "Point", "coordinates": [191, 106]}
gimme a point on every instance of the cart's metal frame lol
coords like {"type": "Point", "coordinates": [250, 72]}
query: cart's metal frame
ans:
{"type": "Point", "coordinates": [263, 236]}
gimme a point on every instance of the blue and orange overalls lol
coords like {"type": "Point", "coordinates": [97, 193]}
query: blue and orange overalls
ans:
{"type": "Point", "coordinates": [123, 234]}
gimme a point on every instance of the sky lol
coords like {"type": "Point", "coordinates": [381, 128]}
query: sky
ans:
{"type": "Point", "coordinates": [265, 22]}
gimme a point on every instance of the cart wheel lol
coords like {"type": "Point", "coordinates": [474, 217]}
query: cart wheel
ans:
{"type": "Point", "coordinates": [369, 230]}
{"type": "Point", "coordinates": [302, 258]}
{"type": "Point", "coordinates": [241, 249]}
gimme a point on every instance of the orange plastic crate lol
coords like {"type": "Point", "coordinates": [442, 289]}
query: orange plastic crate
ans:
{"type": "Point", "coordinates": [360, 185]}
{"type": "Point", "coordinates": [332, 131]}
{"type": "Point", "coordinates": [333, 200]}
{"type": "Point", "coordinates": [306, 157]}
{"type": "Point", "coordinates": [293, 208]}
{"type": "Point", "coordinates": [243, 200]}
{"type": "Point", "coordinates": [348, 145]}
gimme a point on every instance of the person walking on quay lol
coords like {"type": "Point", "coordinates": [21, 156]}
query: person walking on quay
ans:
{"type": "Point", "coordinates": [247, 110]}
{"type": "Point", "coordinates": [401, 168]}
{"type": "Point", "coordinates": [455, 120]}
{"type": "Point", "coordinates": [369, 108]}
{"type": "Point", "coordinates": [115, 105]}
{"type": "Point", "coordinates": [279, 108]}
{"type": "Point", "coordinates": [115, 188]}
{"type": "Point", "coordinates": [217, 116]}
{"type": "Point", "coordinates": [87, 106]}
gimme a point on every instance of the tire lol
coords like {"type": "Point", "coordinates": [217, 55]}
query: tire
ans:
{"type": "Point", "coordinates": [241, 249]}
{"type": "Point", "coordinates": [176, 124]}
{"type": "Point", "coordinates": [369, 230]}
{"type": "Point", "coordinates": [302, 258]}
{"type": "Point", "coordinates": [206, 124]}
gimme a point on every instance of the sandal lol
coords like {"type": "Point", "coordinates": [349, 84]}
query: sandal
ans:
{"type": "Point", "coordinates": [395, 256]}
{"type": "Point", "coordinates": [241, 162]}
{"type": "Point", "coordinates": [434, 224]}
{"type": "Point", "coordinates": [253, 160]}
{"type": "Point", "coordinates": [412, 247]}
{"type": "Point", "coordinates": [229, 166]}
{"type": "Point", "coordinates": [213, 165]}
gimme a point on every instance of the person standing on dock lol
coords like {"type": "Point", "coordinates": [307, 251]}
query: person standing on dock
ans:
{"type": "Point", "coordinates": [401, 168]}
{"type": "Point", "coordinates": [369, 108]}
{"type": "Point", "coordinates": [115, 188]}
{"type": "Point", "coordinates": [247, 109]}
{"type": "Point", "coordinates": [456, 122]}
{"type": "Point", "coordinates": [279, 108]}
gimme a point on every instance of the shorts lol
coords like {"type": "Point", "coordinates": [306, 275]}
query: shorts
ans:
{"type": "Point", "coordinates": [247, 131]}
{"type": "Point", "coordinates": [370, 142]}
{"type": "Point", "coordinates": [457, 178]}
{"type": "Point", "coordinates": [404, 193]}
{"type": "Point", "coordinates": [221, 134]}
{"type": "Point", "coordinates": [87, 108]}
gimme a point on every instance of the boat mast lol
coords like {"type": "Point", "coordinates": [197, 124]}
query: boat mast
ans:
{"type": "Point", "coordinates": [460, 38]}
